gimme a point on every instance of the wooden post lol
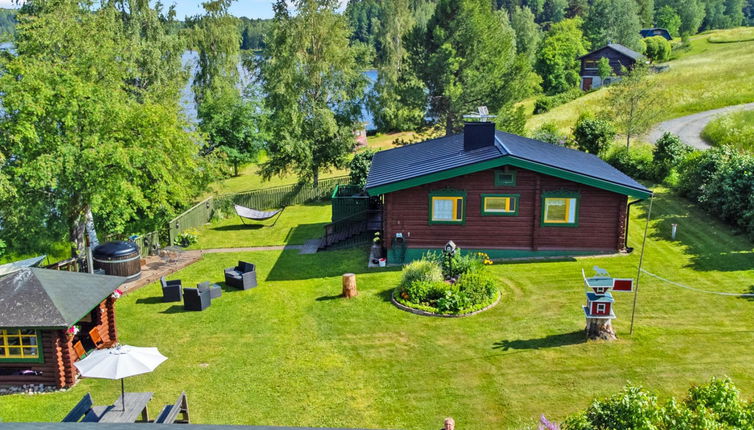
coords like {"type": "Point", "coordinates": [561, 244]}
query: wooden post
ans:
{"type": "Point", "coordinates": [349, 285]}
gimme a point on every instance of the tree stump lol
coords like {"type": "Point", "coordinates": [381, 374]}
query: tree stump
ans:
{"type": "Point", "coordinates": [600, 329]}
{"type": "Point", "coordinates": [349, 285]}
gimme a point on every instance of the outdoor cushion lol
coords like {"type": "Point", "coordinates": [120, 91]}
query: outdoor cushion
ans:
{"type": "Point", "coordinates": [214, 290]}
{"type": "Point", "coordinates": [171, 290]}
{"type": "Point", "coordinates": [195, 299]}
{"type": "Point", "coordinates": [242, 276]}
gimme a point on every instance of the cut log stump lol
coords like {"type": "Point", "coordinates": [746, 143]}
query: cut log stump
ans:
{"type": "Point", "coordinates": [600, 329]}
{"type": "Point", "coordinates": [349, 285]}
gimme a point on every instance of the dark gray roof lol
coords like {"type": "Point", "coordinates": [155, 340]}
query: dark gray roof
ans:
{"type": "Point", "coordinates": [141, 426]}
{"type": "Point", "coordinates": [445, 153]}
{"type": "Point", "coordinates": [628, 52]}
{"type": "Point", "coordinates": [47, 298]}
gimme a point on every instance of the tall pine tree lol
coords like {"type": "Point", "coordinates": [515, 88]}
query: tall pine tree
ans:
{"type": "Point", "coordinates": [466, 57]}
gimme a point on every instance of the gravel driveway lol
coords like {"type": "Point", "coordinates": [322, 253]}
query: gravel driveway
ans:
{"type": "Point", "coordinates": [689, 128]}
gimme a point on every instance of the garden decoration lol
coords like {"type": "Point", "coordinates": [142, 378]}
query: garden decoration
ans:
{"type": "Point", "coordinates": [349, 285]}
{"type": "Point", "coordinates": [599, 303]}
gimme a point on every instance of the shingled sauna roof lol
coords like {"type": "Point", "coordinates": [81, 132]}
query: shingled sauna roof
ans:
{"type": "Point", "coordinates": [43, 298]}
{"type": "Point", "coordinates": [443, 158]}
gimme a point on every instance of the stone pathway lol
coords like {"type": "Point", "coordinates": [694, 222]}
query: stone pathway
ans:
{"type": "Point", "coordinates": [689, 128]}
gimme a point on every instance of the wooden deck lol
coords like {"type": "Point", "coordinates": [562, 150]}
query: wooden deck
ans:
{"type": "Point", "coordinates": [157, 267]}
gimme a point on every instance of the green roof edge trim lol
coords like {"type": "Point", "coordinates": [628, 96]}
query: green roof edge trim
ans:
{"type": "Point", "coordinates": [508, 160]}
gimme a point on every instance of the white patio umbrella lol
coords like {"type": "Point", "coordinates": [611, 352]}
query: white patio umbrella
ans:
{"type": "Point", "coordinates": [120, 362]}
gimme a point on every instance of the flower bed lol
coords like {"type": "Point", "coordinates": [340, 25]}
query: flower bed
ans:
{"type": "Point", "coordinates": [448, 286]}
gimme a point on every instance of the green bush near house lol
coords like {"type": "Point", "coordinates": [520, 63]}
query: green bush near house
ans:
{"type": "Point", "coordinates": [635, 161]}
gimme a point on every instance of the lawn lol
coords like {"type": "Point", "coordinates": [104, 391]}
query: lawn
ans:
{"type": "Point", "coordinates": [296, 225]}
{"type": "Point", "coordinates": [706, 76]}
{"type": "Point", "coordinates": [292, 353]}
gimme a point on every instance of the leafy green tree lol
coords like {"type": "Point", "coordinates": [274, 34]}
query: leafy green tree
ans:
{"type": "Point", "coordinates": [312, 90]}
{"type": "Point", "coordinates": [79, 137]}
{"type": "Point", "coordinates": [365, 18]}
{"type": "Point", "coordinates": [512, 119]}
{"type": "Point", "coordinates": [658, 49]}
{"type": "Point", "coordinates": [557, 60]}
{"type": "Point", "coordinates": [527, 31]}
{"type": "Point", "coordinates": [604, 69]}
{"type": "Point", "coordinates": [646, 9]}
{"type": "Point", "coordinates": [668, 19]}
{"type": "Point", "coordinates": [722, 14]}
{"type": "Point", "coordinates": [691, 13]}
{"type": "Point", "coordinates": [397, 100]}
{"type": "Point", "coordinates": [577, 8]}
{"type": "Point", "coordinates": [593, 135]}
{"type": "Point", "coordinates": [613, 21]}
{"type": "Point", "coordinates": [634, 103]}
{"type": "Point", "coordinates": [467, 57]}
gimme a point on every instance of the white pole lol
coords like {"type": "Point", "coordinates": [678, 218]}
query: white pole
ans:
{"type": "Point", "coordinates": [641, 261]}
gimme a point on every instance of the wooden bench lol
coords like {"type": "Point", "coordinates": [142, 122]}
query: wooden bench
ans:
{"type": "Point", "coordinates": [83, 411]}
{"type": "Point", "coordinates": [169, 413]}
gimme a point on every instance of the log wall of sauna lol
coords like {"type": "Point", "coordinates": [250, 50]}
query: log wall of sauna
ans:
{"type": "Point", "coordinates": [59, 355]}
{"type": "Point", "coordinates": [601, 216]}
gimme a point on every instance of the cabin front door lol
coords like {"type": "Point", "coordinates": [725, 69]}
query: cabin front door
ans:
{"type": "Point", "coordinates": [586, 84]}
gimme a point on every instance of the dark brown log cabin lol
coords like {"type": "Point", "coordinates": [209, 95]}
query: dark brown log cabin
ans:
{"type": "Point", "coordinates": [37, 308]}
{"type": "Point", "coordinates": [502, 194]}
{"type": "Point", "coordinates": [620, 58]}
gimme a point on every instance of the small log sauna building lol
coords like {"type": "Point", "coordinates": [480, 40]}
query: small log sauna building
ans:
{"type": "Point", "coordinates": [502, 194]}
{"type": "Point", "coordinates": [620, 58]}
{"type": "Point", "coordinates": [37, 308]}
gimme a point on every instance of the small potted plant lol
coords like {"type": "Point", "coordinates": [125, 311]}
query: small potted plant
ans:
{"type": "Point", "coordinates": [72, 331]}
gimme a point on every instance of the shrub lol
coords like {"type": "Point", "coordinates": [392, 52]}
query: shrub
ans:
{"type": "Point", "coordinates": [478, 286]}
{"type": "Point", "coordinates": [425, 292]}
{"type": "Point", "coordinates": [668, 153]}
{"type": "Point", "coordinates": [593, 135]}
{"type": "Point", "coordinates": [635, 162]}
{"type": "Point", "coordinates": [460, 264]}
{"type": "Point", "coordinates": [658, 49]}
{"type": "Point", "coordinates": [187, 238]}
{"type": "Point", "coordinates": [359, 167]}
{"type": "Point", "coordinates": [548, 132]}
{"type": "Point", "coordinates": [454, 301]}
{"type": "Point", "coordinates": [421, 271]}
{"type": "Point", "coordinates": [546, 103]}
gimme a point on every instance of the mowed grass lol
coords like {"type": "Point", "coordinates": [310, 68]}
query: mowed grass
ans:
{"type": "Point", "coordinates": [290, 352]}
{"type": "Point", "coordinates": [733, 129]}
{"type": "Point", "coordinates": [295, 225]}
{"type": "Point", "coordinates": [707, 76]}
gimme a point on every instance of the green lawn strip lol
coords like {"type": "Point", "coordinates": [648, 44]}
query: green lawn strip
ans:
{"type": "Point", "coordinates": [708, 76]}
{"type": "Point", "coordinates": [296, 225]}
{"type": "Point", "coordinates": [290, 352]}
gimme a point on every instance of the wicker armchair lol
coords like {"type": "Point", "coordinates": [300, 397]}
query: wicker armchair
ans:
{"type": "Point", "coordinates": [171, 290]}
{"type": "Point", "coordinates": [243, 276]}
{"type": "Point", "coordinates": [195, 299]}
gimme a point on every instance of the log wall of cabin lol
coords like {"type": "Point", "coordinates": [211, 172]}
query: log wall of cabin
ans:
{"type": "Point", "coordinates": [601, 216]}
{"type": "Point", "coordinates": [58, 353]}
{"type": "Point", "coordinates": [617, 61]}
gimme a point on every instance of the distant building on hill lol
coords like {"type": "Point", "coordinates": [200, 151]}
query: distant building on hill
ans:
{"type": "Point", "coordinates": [620, 57]}
{"type": "Point", "coordinates": [649, 32]}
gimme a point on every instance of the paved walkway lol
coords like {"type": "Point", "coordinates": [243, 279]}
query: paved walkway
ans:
{"type": "Point", "coordinates": [310, 247]}
{"type": "Point", "coordinates": [689, 128]}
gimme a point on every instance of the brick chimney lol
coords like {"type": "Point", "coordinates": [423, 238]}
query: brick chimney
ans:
{"type": "Point", "coordinates": [478, 135]}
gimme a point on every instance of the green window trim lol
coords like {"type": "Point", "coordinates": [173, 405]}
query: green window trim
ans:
{"type": "Point", "coordinates": [448, 193]}
{"type": "Point", "coordinates": [501, 181]}
{"type": "Point", "coordinates": [561, 194]}
{"type": "Point", "coordinates": [514, 200]}
{"type": "Point", "coordinates": [40, 349]}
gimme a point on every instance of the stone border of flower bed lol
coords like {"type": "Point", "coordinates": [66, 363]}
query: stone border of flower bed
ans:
{"type": "Point", "coordinates": [415, 311]}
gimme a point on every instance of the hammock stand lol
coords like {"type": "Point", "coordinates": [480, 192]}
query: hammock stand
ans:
{"type": "Point", "coordinates": [255, 215]}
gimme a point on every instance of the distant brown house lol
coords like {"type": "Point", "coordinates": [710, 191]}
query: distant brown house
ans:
{"type": "Point", "coordinates": [37, 308]}
{"type": "Point", "coordinates": [620, 57]}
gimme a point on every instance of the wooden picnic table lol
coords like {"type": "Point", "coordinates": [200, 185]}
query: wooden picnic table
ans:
{"type": "Point", "coordinates": [135, 405]}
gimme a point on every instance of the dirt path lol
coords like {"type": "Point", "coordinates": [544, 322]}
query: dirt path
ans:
{"type": "Point", "coordinates": [689, 128]}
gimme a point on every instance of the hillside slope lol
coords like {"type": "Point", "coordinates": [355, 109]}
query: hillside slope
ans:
{"type": "Point", "coordinates": [708, 75]}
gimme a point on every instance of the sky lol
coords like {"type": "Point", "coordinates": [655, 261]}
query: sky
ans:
{"type": "Point", "coordinates": [247, 8]}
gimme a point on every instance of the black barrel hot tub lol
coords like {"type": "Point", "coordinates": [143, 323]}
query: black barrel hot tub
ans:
{"type": "Point", "coordinates": [118, 259]}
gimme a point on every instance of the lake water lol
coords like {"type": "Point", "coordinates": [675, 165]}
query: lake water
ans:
{"type": "Point", "coordinates": [190, 60]}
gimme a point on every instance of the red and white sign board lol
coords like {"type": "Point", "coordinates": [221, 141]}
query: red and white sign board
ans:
{"type": "Point", "coordinates": [623, 284]}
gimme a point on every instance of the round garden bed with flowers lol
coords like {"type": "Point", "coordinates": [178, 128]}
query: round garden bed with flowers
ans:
{"type": "Point", "coordinates": [456, 285]}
